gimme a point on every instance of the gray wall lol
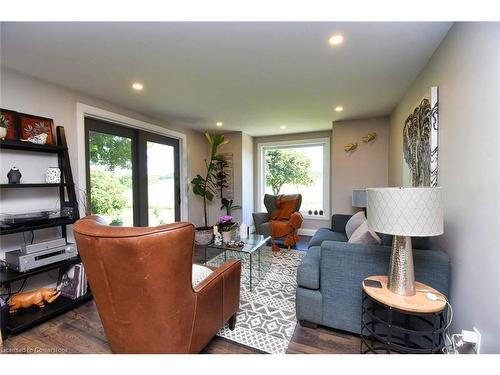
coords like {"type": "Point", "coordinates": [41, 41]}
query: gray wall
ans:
{"type": "Point", "coordinates": [466, 67]}
{"type": "Point", "coordinates": [367, 166]}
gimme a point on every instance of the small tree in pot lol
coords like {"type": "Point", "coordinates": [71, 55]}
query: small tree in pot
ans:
{"type": "Point", "coordinates": [207, 186]}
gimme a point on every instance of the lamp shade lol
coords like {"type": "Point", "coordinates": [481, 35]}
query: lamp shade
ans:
{"type": "Point", "coordinates": [359, 198]}
{"type": "Point", "coordinates": [416, 212]}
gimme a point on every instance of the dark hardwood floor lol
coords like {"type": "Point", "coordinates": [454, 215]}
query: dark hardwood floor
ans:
{"type": "Point", "coordinates": [80, 331]}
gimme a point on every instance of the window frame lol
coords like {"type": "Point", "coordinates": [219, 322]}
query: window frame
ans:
{"type": "Point", "coordinates": [325, 142]}
{"type": "Point", "coordinates": [139, 139]}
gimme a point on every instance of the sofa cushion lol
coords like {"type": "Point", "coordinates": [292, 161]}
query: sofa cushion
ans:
{"type": "Point", "coordinates": [200, 273]}
{"type": "Point", "coordinates": [354, 222]}
{"type": "Point", "coordinates": [364, 236]}
{"type": "Point", "coordinates": [325, 234]}
{"type": "Point", "coordinates": [308, 271]}
{"type": "Point", "coordinates": [422, 243]}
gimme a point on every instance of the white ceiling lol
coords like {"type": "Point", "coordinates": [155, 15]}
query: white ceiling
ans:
{"type": "Point", "coordinates": [254, 77]}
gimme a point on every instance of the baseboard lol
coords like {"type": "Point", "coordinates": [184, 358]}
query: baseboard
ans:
{"type": "Point", "coordinates": [307, 232]}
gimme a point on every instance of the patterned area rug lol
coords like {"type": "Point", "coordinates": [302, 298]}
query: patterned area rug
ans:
{"type": "Point", "coordinates": [266, 318]}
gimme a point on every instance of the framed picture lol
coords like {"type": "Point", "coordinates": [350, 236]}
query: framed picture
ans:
{"type": "Point", "coordinates": [31, 126]}
{"type": "Point", "coordinates": [11, 119]}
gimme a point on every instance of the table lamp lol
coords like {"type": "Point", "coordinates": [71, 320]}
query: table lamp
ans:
{"type": "Point", "coordinates": [404, 213]}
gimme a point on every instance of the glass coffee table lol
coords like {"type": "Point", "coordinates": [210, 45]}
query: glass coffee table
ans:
{"type": "Point", "coordinates": [252, 265]}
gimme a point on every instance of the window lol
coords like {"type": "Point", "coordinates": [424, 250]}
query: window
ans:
{"type": "Point", "coordinates": [297, 167]}
{"type": "Point", "coordinates": [132, 175]}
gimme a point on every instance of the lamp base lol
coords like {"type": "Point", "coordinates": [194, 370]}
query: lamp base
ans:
{"type": "Point", "coordinates": [401, 273]}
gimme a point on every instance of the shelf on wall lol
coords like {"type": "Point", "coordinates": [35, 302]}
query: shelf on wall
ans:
{"type": "Point", "coordinates": [34, 185]}
{"type": "Point", "coordinates": [24, 319]}
{"type": "Point", "coordinates": [9, 276]}
{"type": "Point", "coordinates": [29, 227]}
{"type": "Point", "coordinates": [28, 146]}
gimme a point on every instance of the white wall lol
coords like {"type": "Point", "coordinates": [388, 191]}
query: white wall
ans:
{"type": "Point", "coordinates": [29, 95]}
{"type": "Point", "coordinates": [466, 67]}
{"type": "Point", "coordinates": [367, 166]}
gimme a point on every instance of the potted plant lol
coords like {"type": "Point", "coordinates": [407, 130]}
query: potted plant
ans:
{"type": "Point", "coordinates": [226, 226]}
{"type": "Point", "coordinates": [4, 125]}
{"type": "Point", "coordinates": [206, 187]}
{"type": "Point", "coordinates": [228, 205]}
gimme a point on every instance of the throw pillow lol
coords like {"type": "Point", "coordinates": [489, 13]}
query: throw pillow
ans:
{"type": "Point", "coordinates": [364, 236]}
{"type": "Point", "coordinates": [200, 273]}
{"type": "Point", "coordinates": [354, 222]}
{"type": "Point", "coordinates": [284, 208]}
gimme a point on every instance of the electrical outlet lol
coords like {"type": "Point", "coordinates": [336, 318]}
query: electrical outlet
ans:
{"type": "Point", "coordinates": [477, 345]}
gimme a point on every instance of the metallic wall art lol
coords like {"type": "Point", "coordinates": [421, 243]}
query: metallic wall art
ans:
{"type": "Point", "coordinates": [351, 147]}
{"type": "Point", "coordinates": [370, 137]}
{"type": "Point", "coordinates": [420, 143]}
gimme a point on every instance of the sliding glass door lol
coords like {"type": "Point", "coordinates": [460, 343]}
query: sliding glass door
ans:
{"type": "Point", "coordinates": [132, 175]}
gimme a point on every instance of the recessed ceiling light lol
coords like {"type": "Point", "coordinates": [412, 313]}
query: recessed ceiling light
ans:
{"type": "Point", "coordinates": [339, 108]}
{"type": "Point", "coordinates": [137, 86]}
{"type": "Point", "coordinates": [219, 124]}
{"type": "Point", "coordinates": [283, 127]}
{"type": "Point", "coordinates": [336, 39]}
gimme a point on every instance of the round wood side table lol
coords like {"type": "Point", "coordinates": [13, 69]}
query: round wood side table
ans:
{"type": "Point", "coordinates": [391, 323]}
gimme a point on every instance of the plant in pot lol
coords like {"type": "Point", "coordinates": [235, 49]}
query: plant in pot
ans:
{"type": "Point", "coordinates": [206, 187]}
{"type": "Point", "coordinates": [229, 206]}
{"type": "Point", "coordinates": [4, 125]}
{"type": "Point", "coordinates": [226, 226]}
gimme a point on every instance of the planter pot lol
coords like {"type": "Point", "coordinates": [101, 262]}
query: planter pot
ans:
{"type": "Point", "coordinates": [203, 235]}
{"type": "Point", "coordinates": [227, 236]}
{"type": "Point", "coordinates": [53, 175]}
{"type": "Point", "coordinates": [3, 132]}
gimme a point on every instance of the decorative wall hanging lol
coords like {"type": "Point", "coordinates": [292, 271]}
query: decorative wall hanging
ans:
{"type": "Point", "coordinates": [370, 137]}
{"type": "Point", "coordinates": [228, 188]}
{"type": "Point", "coordinates": [9, 121]}
{"type": "Point", "coordinates": [32, 126]}
{"type": "Point", "coordinates": [351, 146]}
{"type": "Point", "coordinates": [420, 143]}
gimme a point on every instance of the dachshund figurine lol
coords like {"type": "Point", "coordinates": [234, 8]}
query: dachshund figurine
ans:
{"type": "Point", "coordinates": [35, 297]}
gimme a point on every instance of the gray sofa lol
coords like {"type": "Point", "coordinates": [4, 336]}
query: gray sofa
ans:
{"type": "Point", "coordinates": [329, 278]}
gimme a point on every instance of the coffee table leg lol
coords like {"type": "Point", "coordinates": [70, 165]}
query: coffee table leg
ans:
{"type": "Point", "coordinates": [250, 265]}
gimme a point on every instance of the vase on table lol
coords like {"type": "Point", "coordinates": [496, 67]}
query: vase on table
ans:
{"type": "Point", "coordinates": [227, 236]}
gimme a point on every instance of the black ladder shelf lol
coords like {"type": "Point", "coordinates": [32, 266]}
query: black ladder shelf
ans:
{"type": "Point", "coordinates": [11, 324]}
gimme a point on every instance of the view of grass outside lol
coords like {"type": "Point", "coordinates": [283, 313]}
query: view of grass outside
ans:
{"type": "Point", "coordinates": [111, 180]}
{"type": "Point", "coordinates": [296, 169]}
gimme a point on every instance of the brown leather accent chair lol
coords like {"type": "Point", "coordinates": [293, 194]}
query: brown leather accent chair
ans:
{"type": "Point", "coordinates": [141, 281]}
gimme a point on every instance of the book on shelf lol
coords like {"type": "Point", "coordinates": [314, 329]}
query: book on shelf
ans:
{"type": "Point", "coordinates": [73, 282]}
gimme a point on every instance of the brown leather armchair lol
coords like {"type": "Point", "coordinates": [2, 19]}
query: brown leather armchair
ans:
{"type": "Point", "coordinates": [141, 281]}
